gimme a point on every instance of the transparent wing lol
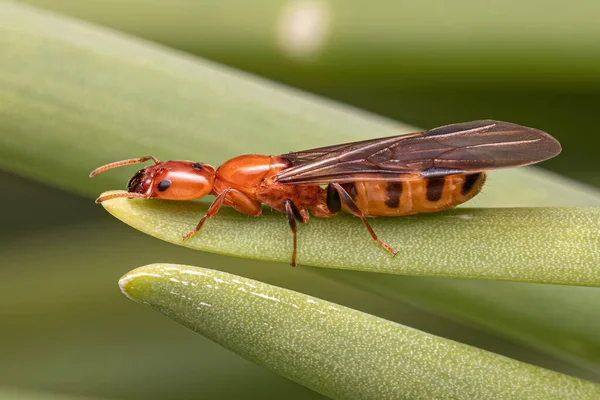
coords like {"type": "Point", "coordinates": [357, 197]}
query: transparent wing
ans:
{"type": "Point", "coordinates": [452, 149]}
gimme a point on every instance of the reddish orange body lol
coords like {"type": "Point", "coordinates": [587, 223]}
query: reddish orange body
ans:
{"type": "Point", "coordinates": [253, 175]}
{"type": "Point", "coordinates": [418, 173]}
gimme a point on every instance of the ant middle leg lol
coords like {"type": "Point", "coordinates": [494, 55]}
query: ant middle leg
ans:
{"type": "Point", "coordinates": [293, 215]}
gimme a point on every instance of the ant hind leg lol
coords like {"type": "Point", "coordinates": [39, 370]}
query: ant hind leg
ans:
{"type": "Point", "coordinates": [353, 208]}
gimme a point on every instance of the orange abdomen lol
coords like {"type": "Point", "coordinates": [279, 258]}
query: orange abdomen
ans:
{"type": "Point", "coordinates": [424, 195]}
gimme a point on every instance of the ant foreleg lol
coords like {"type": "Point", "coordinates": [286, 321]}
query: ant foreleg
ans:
{"type": "Point", "coordinates": [353, 208]}
{"type": "Point", "coordinates": [212, 211]}
{"type": "Point", "coordinates": [241, 203]}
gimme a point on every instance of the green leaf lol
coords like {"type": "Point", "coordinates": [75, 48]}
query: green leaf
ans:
{"type": "Point", "coordinates": [549, 245]}
{"type": "Point", "coordinates": [306, 339]}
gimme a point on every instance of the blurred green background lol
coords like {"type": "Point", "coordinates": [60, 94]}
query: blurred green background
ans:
{"type": "Point", "coordinates": [67, 328]}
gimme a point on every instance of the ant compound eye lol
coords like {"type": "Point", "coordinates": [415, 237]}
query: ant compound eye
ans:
{"type": "Point", "coordinates": [197, 166]}
{"type": "Point", "coordinates": [163, 185]}
{"type": "Point", "coordinates": [135, 184]}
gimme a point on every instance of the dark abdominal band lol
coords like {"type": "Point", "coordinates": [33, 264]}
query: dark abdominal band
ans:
{"type": "Point", "coordinates": [435, 188]}
{"type": "Point", "coordinates": [393, 194]}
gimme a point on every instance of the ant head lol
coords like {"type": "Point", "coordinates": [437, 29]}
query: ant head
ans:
{"type": "Point", "coordinates": [174, 180]}
{"type": "Point", "coordinates": [170, 180]}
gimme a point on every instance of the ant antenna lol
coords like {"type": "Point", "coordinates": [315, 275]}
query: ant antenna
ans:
{"type": "Point", "coordinates": [117, 195]}
{"type": "Point", "coordinates": [117, 164]}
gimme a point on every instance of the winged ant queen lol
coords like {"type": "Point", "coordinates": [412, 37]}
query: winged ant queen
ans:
{"type": "Point", "coordinates": [414, 173]}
